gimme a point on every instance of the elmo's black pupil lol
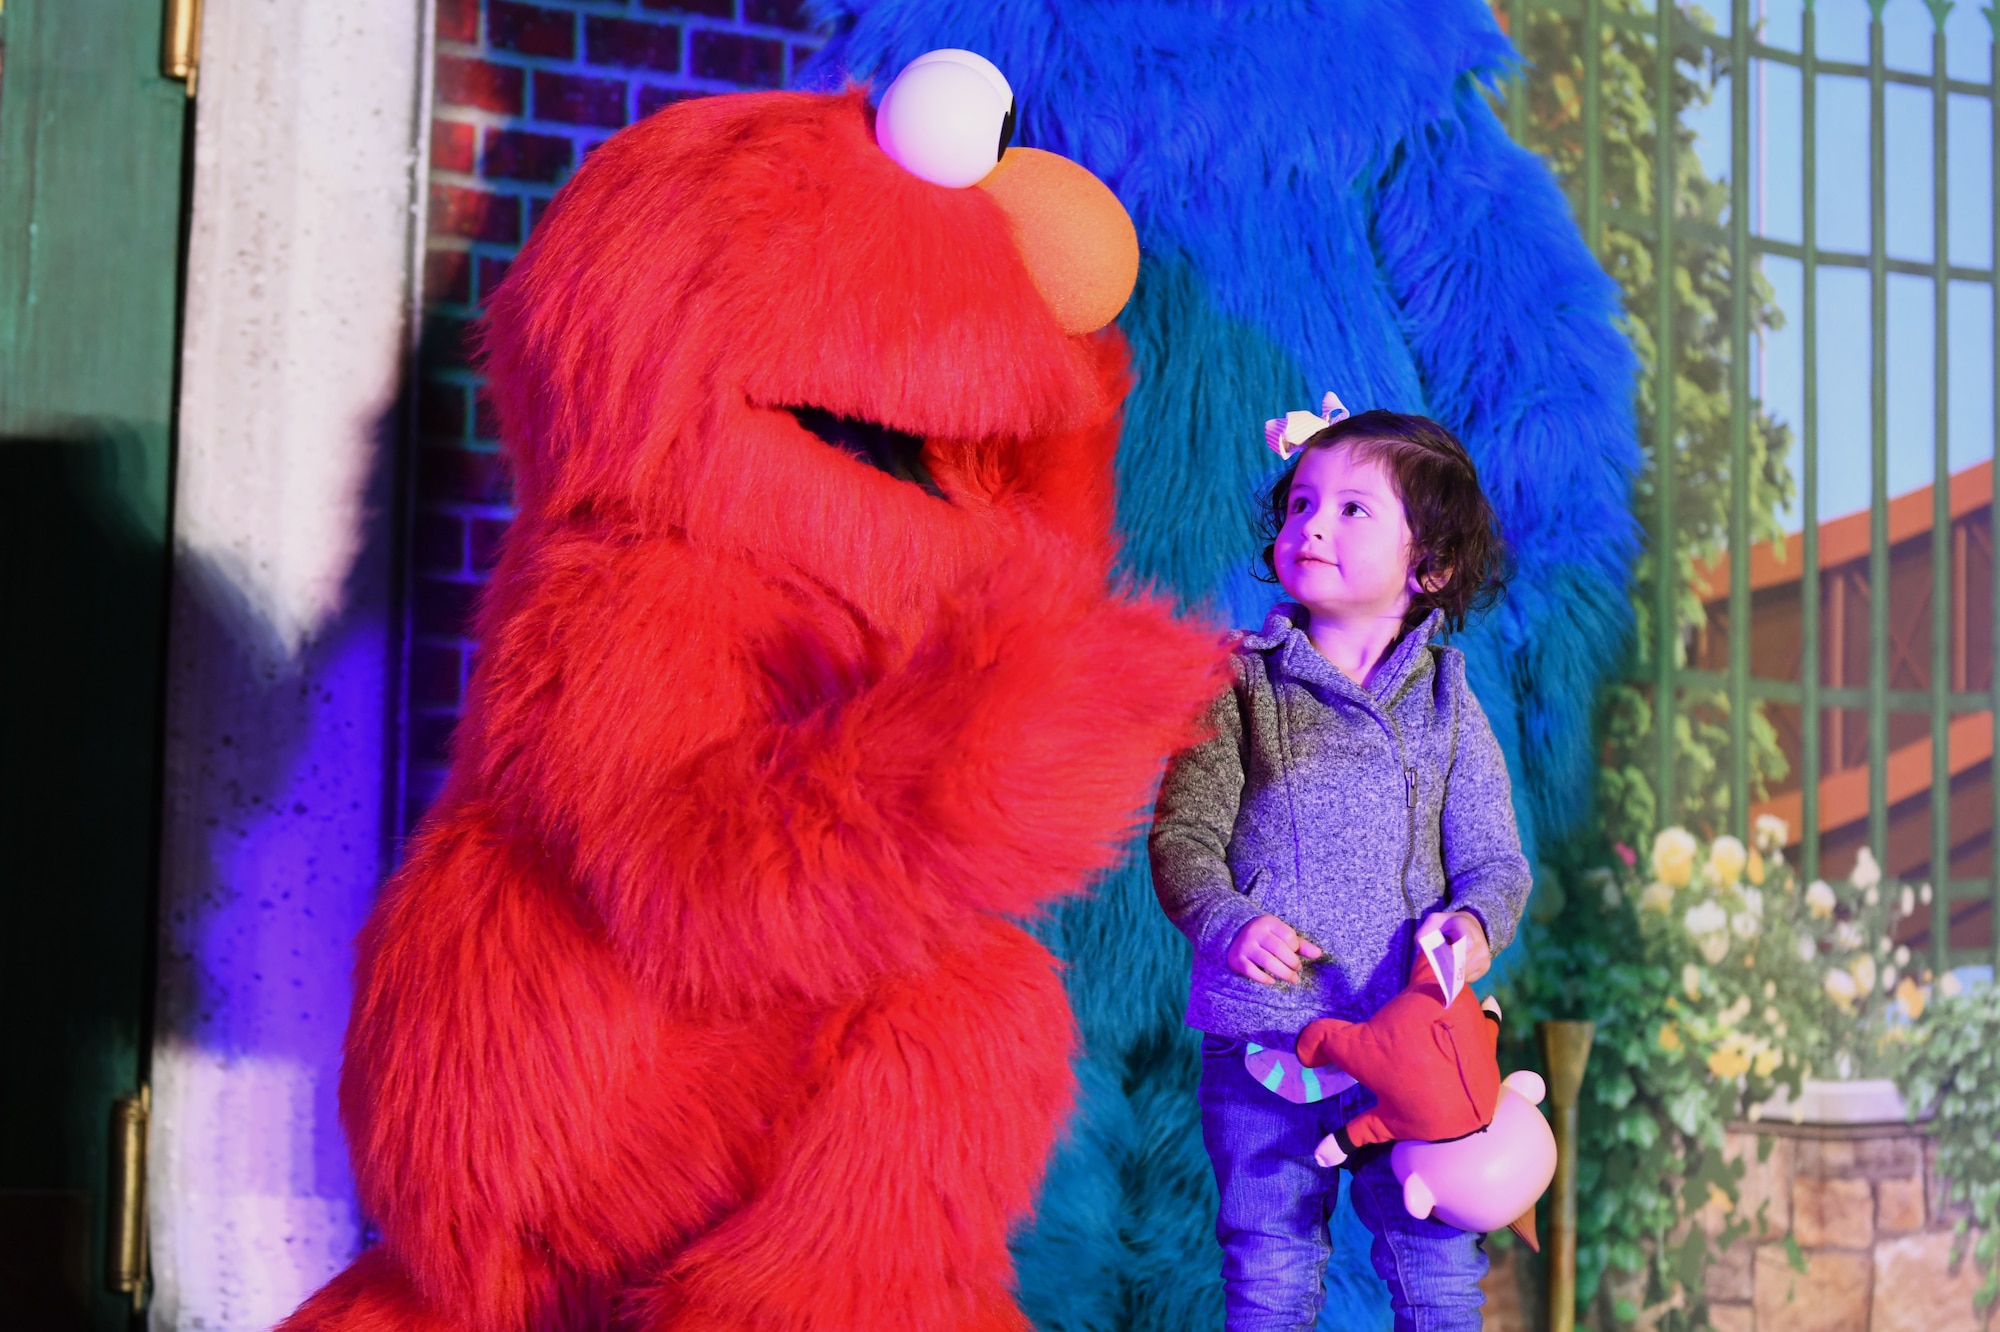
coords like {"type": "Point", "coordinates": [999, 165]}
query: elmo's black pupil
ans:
{"type": "Point", "coordinates": [1006, 132]}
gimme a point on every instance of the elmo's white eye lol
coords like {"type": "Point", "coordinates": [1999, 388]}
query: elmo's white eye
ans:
{"type": "Point", "coordinates": [947, 118]}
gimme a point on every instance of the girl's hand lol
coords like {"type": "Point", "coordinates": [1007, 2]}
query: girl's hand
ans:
{"type": "Point", "coordinates": [1478, 955]}
{"type": "Point", "coordinates": [1268, 951]}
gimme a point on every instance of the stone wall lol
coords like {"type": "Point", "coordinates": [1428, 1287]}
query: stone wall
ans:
{"type": "Point", "coordinates": [1865, 1207]}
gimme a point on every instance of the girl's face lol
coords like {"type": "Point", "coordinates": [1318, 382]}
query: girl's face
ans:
{"type": "Point", "coordinates": [1344, 551]}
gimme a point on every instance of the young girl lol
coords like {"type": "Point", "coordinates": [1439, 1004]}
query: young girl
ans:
{"type": "Point", "coordinates": [1352, 797]}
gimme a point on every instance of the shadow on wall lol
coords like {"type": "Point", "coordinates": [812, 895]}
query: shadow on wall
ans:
{"type": "Point", "coordinates": [81, 583]}
{"type": "Point", "coordinates": [277, 837]}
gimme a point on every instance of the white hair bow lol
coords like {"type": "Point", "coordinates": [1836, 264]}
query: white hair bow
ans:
{"type": "Point", "coordinates": [1289, 432]}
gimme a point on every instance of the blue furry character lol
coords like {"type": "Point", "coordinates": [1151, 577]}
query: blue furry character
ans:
{"type": "Point", "coordinates": [1323, 196]}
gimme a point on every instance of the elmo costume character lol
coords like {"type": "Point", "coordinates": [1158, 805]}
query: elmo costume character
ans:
{"type": "Point", "coordinates": [702, 999]}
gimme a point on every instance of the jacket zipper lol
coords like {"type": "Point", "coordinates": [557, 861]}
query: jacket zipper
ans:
{"type": "Point", "coordinates": [1410, 810]}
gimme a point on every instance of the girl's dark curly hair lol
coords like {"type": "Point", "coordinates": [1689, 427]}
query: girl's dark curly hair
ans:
{"type": "Point", "coordinates": [1453, 532]}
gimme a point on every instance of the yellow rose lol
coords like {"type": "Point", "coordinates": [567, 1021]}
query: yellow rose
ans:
{"type": "Point", "coordinates": [1726, 860]}
{"type": "Point", "coordinates": [1673, 856]}
{"type": "Point", "coordinates": [1766, 1063]}
{"type": "Point", "coordinates": [1755, 872]}
{"type": "Point", "coordinates": [1657, 897]}
{"type": "Point", "coordinates": [1729, 1060]}
{"type": "Point", "coordinates": [1670, 1037]}
{"type": "Point", "coordinates": [1910, 998]}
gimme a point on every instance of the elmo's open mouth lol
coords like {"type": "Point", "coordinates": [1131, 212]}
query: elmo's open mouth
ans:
{"type": "Point", "coordinates": [895, 452]}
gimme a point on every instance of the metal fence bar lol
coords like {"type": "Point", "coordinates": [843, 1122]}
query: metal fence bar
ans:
{"type": "Point", "coordinates": [1810, 666]}
{"type": "Point", "coordinates": [1666, 601]}
{"type": "Point", "coordinates": [1993, 528]}
{"type": "Point", "coordinates": [1878, 436]}
{"type": "Point", "coordinates": [1739, 418]}
{"type": "Point", "coordinates": [1593, 137]}
{"type": "Point", "coordinates": [1941, 571]}
{"type": "Point", "coordinates": [1517, 90]}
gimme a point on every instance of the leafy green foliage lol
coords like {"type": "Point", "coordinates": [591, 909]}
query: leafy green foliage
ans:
{"type": "Point", "coordinates": [1717, 981]}
{"type": "Point", "coordinates": [1954, 1069]}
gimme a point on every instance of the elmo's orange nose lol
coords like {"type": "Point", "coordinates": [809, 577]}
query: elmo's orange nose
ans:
{"type": "Point", "coordinates": [1076, 237]}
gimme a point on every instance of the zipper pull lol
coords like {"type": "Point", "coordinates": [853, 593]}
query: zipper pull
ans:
{"type": "Point", "coordinates": [1410, 788]}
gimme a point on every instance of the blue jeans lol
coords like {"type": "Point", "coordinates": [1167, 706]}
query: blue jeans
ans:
{"type": "Point", "coordinates": [1276, 1201]}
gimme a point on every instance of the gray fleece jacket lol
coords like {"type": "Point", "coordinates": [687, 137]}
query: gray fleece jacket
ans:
{"type": "Point", "coordinates": [1349, 813]}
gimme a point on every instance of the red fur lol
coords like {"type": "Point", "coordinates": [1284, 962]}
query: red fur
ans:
{"type": "Point", "coordinates": [700, 1001]}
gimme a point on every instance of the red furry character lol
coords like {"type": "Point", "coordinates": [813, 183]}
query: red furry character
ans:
{"type": "Point", "coordinates": [701, 1001]}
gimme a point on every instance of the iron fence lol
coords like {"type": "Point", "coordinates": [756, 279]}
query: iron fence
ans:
{"type": "Point", "coordinates": [1952, 686]}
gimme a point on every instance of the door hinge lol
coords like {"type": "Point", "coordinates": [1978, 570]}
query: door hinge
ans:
{"type": "Point", "coordinates": [180, 42]}
{"type": "Point", "coordinates": [125, 1247]}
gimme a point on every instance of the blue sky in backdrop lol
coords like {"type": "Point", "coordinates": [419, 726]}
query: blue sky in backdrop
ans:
{"type": "Point", "coordinates": [1777, 191]}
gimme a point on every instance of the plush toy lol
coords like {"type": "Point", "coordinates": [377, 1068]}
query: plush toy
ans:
{"type": "Point", "coordinates": [1323, 196]}
{"type": "Point", "coordinates": [702, 998]}
{"type": "Point", "coordinates": [1430, 1057]}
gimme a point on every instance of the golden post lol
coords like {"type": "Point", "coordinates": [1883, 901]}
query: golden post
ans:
{"type": "Point", "coordinates": [1565, 1050]}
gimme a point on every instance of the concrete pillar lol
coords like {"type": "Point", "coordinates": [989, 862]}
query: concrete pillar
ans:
{"type": "Point", "coordinates": [306, 219]}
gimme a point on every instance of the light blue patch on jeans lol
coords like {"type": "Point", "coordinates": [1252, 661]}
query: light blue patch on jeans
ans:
{"type": "Point", "coordinates": [1281, 1072]}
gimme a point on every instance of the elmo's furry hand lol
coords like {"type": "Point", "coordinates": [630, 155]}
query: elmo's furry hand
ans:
{"type": "Point", "coordinates": [803, 649]}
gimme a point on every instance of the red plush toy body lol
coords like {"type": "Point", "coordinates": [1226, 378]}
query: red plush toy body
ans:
{"type": "Point", "coordinates": [1432, 1063]}
{"type": "Point", "coordinates": [700, 1001]}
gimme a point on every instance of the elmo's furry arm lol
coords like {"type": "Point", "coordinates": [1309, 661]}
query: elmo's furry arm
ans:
{"type": "Point", "coordinates": [819, 826]}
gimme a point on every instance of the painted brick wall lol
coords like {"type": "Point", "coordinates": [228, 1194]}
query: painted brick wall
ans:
{"type": "Point", "coordinates": [524, 91]}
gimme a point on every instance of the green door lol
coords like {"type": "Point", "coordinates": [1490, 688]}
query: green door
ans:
{"type": "Point", "coordinates": [91, 144]}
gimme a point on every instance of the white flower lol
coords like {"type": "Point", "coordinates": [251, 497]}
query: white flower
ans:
{"type": "Point", "coordinates": [1673, 856]}
{"type": "Point", "coordinates": [1847, 936]}
{"type": "Point", "coordinates": [1840, 987]}
{"type": "Point", "coordinates": [1745, 925]}
{"type": "Point", "coordinates": [1862, 968]}
{"type": "Point", "coordinates": [1770, 989]}
{"type": "Point", "coordinates": [1924, 893]}
{"type": "Point", "coordinates": [1820, 900]}
{"type": "Point", "coordinates": [1866, 872]}
{"type": "Point", "coordinates": [1808, 950]}
{"type": "Point", "coordinates": [1948, 984]}
{"type": "Point", "coordinates": [1753, 901]}
{"type": "Point", "coordinates": [1657, 897]}
{"type": "Point", "coordinates": [1882, 944]}
{"type": "Point", "coordinates": [1706, 918]}
{"type": "Point", "coordinates": [1873, 896]}
{"type": "Point", "coordinates": [1691, 980]}
{"type": "Point", "coordinates": [1771, 1017]}
{"type": "Point", "coordinates": [1902, 955]}
{"type": "Point", "coordinates": [1769, 832]}
{"type": "Point", "coordinates": [1715, 947]}
{"type": "Point", "coordinates": [1888, 979]}
{"type": "Point", "coordinates": [1907, 904]}
{"type": "Point", "coordinates": [1726, 859]}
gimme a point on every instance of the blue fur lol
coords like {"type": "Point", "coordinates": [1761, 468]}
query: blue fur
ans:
{"type": "Point", "coordinates": [1324, 200]}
